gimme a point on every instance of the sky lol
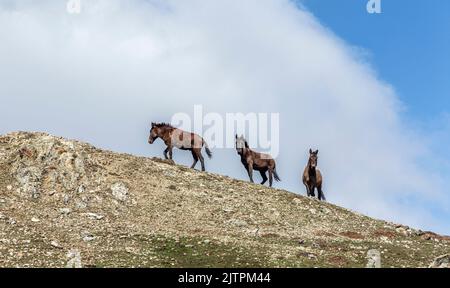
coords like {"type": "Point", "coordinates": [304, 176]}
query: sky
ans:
{"type": "Point", "coordinates": [405, 36]}
{"type": "Point", "coordinates": [369, 91]}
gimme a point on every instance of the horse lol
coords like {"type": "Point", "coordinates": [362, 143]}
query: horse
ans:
{"type": "Point", "coordinates": [174, 137]}
{"type": "Point", "coordinates": [312, 178]}
{"type": "Point", "coordinates": [256, 161]}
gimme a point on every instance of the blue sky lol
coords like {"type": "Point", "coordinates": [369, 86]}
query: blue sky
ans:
{"type": "Point", "coordinates": [408, 45]}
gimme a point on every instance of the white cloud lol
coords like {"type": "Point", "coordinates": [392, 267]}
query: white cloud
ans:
{"type": "Point", "coordinates": [104, 74]}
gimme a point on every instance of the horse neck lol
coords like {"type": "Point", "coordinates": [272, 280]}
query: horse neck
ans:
{"type": "Point", "coordinates": [245, 153]}
{"type": "Point", "coordinates": [165, 131]}
{"type": "Point", "coordinates": [311, 170]}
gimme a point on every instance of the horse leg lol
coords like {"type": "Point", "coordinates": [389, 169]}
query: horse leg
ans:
{"type": "Point", "coordinates": [311, 191]}
{"type": "Point", "coordinates": [270, 177]}
{"type": "Point", "coordinates": [264, 177]}
{"type": "Point", "coordinates": [170, 153]}
{"type": "Point", "coordinates": [200, 156]}
{"type": "Point", "coordinates": [195, 159]}
{"type": "Point", "coordinates": [250, 172]}
{"type": "Point", "coordinates": [165, 152]}
{"type": "Point", "coordinates": [307, 188]}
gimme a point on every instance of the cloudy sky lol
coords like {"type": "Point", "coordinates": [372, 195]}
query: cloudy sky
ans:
{"type": "Point", "coordinates": [358, 87]}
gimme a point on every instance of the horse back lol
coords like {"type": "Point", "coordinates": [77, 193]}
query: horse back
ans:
{"type": "Point", "coordinates": [261, 160]}
{"type": "Point", "coordinates": [185, 140]}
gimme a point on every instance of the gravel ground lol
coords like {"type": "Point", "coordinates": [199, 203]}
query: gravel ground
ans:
{"type": "Point", "coordinates": [67, 204]}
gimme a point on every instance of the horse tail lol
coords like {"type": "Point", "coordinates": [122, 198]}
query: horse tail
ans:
{"type": "Point", "coordinates": [323, 195]}
{"type": "Point", "coordinates": [208, 151]}
{"type": "Point", "coordinates": [275, 175]}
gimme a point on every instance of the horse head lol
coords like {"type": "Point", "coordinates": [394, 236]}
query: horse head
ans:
{"type": "Point", "coordinates": [241, 144]}
{"type": "Point", "coordinates": [154, 133]}
{"type": "Point", "coordinates": [313, 158]}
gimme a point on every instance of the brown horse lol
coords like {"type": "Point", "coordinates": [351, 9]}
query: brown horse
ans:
{"type": "Point", "coordinates": [174, 137]}
{"type": "Point", "coordinates": [256, 161]}
{"type": "Point", "coordinates": [312, 178]}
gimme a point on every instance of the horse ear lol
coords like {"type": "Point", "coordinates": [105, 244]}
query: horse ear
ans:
{"type": "Point", "coordinates": [310, 151]}
{"type": "Point", "coordinates": [153, 124]}
{"type": "Point", "coordinates": [236, 136]}
{"type": "Point", "coordinates": [317, 152]}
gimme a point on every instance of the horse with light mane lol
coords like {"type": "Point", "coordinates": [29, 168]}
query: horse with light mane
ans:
{"type": "Point", "coordinates": [253, 160]}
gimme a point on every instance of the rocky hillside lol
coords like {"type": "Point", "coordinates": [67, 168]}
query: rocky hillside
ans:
{"type": "Point", "coordinates": [65, 203]}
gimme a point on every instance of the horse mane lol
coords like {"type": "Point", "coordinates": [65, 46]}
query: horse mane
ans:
{"type": "Point", "coordinates": [245, 142]}
{"type": "Point", "coordinates": [162, 125]}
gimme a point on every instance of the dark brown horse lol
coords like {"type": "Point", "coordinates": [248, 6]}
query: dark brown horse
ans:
{"type": "Point", "coordinates": [174, 137]}
{"type": "Point", "coordinates": [256, 161]}
{"type": "Point", "coordinates": [312, 178]}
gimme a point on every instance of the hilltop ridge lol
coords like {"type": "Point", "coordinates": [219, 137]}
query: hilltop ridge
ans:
{"type": "Point", "coordinates": [67, 203]}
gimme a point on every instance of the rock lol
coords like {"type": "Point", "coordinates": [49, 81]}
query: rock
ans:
{"type": "Point", "coordinates": [87, 236]}
{"type": "Point", "coordinates": [29, 178]}
{"type": "Point", "coordinates": [66, 199]}
{"type": "Point", "coordinates": [374, 259]}
{"type": "Point", "coordinates": [312, 256]}
{"type": "Point", "coordinates": [9, 187]}
{"type": "Point", "coordinates": [426, 236]}
{"type": "Point", "coordinates": [131, 250]}
{"type": "Point", "coordinates": [119, 191]}
{"type": "Point", "coordinates": [80, 205]}
{"type": "Point", "coordinates": [65, 211]}
{"type": "Point", "coordinates": [237, 222]}
{"type": "Point", "coordinates": [35, 220]}
{"type": "Point", "coordinates": [402, 230]}
{"type": "Point", "coordinates": [74, 259]}
{"type": "Point", "coordinates": [94, 216]}
{"type": "Point", "coordinates": [80, 189]}
{"type": "Point", "coordinates": [441, 262]}
{"type": "Point", "coordinates": [385, 239]}
{"type": "Point", "coordinates": [275, 213]}
{"type": "Point", "coordinates": [56, 244]}
{"type": "Point", "coordinates": [327, 211]}
{"type": "Point", "coordinates": [297, 201]}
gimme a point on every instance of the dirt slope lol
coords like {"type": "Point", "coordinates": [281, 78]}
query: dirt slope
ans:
{"type": "Point", "coordinates": [66, 203]}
